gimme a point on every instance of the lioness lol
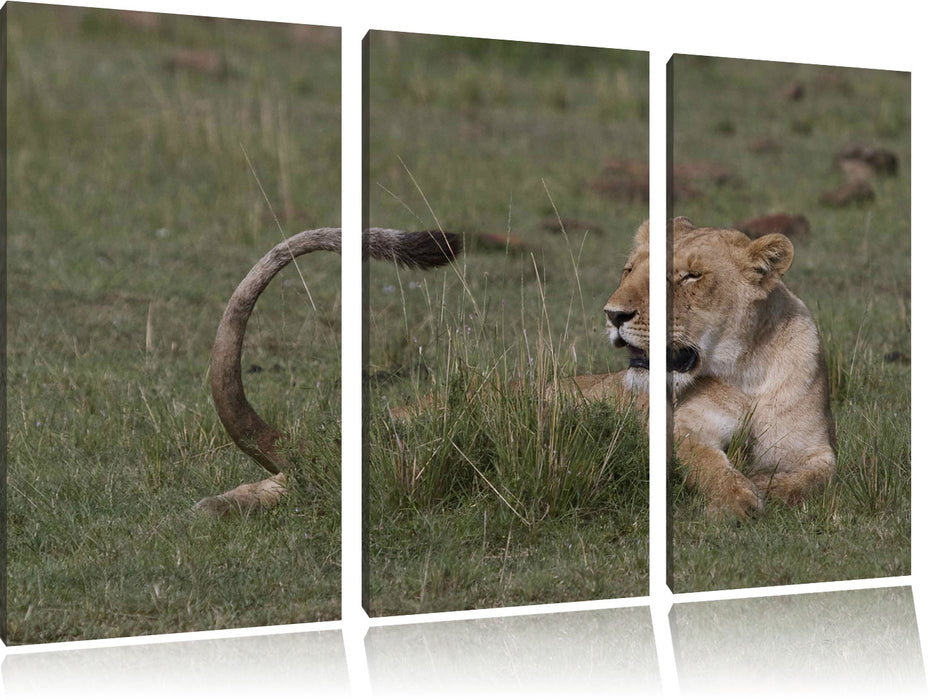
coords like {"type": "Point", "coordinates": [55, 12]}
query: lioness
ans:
{"type": "Point", "coordinates": [250, 433]}
{"type": "Point", "coordinates": [744, 358]}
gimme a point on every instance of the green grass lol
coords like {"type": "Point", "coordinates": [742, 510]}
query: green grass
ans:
{"type": "Point", "coordinates": [133, 213]}
{"type": "Point", "coordinates": [496, 494]}
{"type": "Point", "coordinates": [853, 272]}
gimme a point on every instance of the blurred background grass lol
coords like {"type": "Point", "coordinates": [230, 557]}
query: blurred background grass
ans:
{"type": "Point", "coordinates": [773, 132]}
{"type": "Point", "coordinates": [501, 496]}
{"type": "Point", "coordinates": [132, 215]}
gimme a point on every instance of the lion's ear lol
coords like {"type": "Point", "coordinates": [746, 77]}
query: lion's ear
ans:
{"type": "Point", "coordinates": [770, 257]}
{"type": "Point", "coordinates": [680, 226]}
{"type": "Point", "coordinates": [642, 237]}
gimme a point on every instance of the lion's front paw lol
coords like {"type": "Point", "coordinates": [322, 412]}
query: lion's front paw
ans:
{"type": "Point", "coordinates": [793, 487]}
{"type": "Point", "coordinates": [736, 497]}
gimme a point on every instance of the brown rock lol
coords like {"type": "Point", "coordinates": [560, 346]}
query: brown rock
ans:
{"type": "Point", "coordinates": [623, 179]}
{"type": "Point", "coordinates": [882, 161]}
{"type": "Point", "coordinates": [856, 170]}
{"type": "Point", "coordinates": [143, 21]}
{"type": "Point", "coordinates": [790, 225]}
{"type": "Point", "coordinates": [794, 91]}
{"type": "Point", "coordinates": [198, 60]}
{"type": "Point", "coordinates": [497, 242]}
{"type": "Point", "coordinates": [851, 193]}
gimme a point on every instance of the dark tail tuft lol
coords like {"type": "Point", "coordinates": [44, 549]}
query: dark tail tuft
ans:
{"type": "Point", "coordinates": [414, 248]}
{"type": "Point", "coordinates": [431, 248]}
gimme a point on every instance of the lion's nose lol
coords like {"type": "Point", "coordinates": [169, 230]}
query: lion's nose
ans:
{"type": "Point", "coordinates": [617, 317]}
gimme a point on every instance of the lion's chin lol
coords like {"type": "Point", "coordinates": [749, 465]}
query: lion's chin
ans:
{"type": "Point", "coordinates": [637, 380]}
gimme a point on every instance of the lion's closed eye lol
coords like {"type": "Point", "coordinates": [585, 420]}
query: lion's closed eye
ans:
{"type": "Point", "coordinates": [684, 277]}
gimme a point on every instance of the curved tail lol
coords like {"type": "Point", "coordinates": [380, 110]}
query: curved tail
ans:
{"type": "Point", "coordinates": [247, 429]}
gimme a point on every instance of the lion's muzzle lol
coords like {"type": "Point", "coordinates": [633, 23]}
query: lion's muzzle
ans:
{"type": "Point", "coordinates": [616, 320]}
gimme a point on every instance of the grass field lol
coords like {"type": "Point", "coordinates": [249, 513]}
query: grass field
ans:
{"type": "Point", "coordinates": [496, 496]}
{"type": "Point", "coordinates": [133, 213]}
{"type": "Point", "coordinates": [775, 129]}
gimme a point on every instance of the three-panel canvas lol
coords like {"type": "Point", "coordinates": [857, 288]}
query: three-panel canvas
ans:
{"type": "Point", "coordinates": [173, 342]}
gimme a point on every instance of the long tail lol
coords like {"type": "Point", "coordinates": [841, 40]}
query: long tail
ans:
{"type": "Point", "coordinates": [249, 431]}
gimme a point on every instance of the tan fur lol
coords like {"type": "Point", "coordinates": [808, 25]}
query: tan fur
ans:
{"type": "Point", "coordinates": [627, 313]}
{"type": "Point", "coordinates": [758, 369]}
{"type": "Point", "coordinates": [246, 428]}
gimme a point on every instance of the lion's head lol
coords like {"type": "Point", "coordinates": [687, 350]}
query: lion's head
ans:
{"type": "Point", "coordinates": [628, 310]}
{"type": "Point", "coordinates": [718, 280]}
{"type": "Point", "coordinates": [717, 277]}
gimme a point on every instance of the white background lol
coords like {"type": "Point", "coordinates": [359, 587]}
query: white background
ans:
{"type": "Point", "coordinates": [306, 660]}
